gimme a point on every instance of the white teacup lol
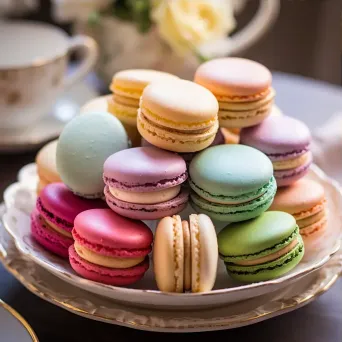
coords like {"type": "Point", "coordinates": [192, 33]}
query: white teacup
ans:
{"type": "Point", "coordinates": [33, 63]}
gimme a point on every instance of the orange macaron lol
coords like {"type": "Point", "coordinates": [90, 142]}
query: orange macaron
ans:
{"type": "Point", "coordinates": [306, 201]}
{"type": "Point", "coordinates": [242, 87]}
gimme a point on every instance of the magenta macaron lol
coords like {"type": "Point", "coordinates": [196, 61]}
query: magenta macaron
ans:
{"type": "Point", "coordinates": [109, 248]}
{"type": "Point", "coordinates": [286, 141]}
{"type": "Point", "coordinates": [53, 218]}
{"type": "Point", "coordinates": [145, 183]}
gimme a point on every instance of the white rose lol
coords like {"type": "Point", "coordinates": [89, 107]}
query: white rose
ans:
{"type": "Point", "coordinates": [69, 10]}
{"type": "Point", "coordinates": [187, 24]}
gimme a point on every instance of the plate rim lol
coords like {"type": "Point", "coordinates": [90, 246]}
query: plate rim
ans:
{"type": "Point", "coordinates": [260, 315]}
{"type": "Point", "coordinates": [288, 277]}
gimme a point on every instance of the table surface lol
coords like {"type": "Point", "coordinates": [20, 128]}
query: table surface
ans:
{"type": "Point", "coordinates": [321, 320]}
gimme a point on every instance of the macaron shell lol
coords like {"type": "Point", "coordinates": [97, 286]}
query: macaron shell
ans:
{"type": "Point", "coordinates": [204, 253]}
{"type": "Point", "coordinates": [48, 238]}
{"type": "Point", "coordinates": [83, 146]}
{"type": "Point", "coordinates": [46, 163]}
{"type": "Point", "coordinates": [179, 103]}
{"type": "Point", "coordinates": [301, 197]}
{"type": "Point", "coordinates": [148, 211]}
{"type": "Point", "coordinates": [261, 236]}
{"type": "Point", "coordinates": [229, 170]}
{"type": "Point", "coordinates": [168, 255]}
{"type": "Point", "coordinates": [270, 270]}
{"type": "Point", "coordinates": [233, 76]}
{"type": "Point", "coordinates": [106, 275]}
{"type": "Point", "coordinates": [57, 204]}
{"type": "Point", "coordinates": [105, 232]}
{"type": "Point", "coordinates": [126, 114]}
{"type": "Point", "coordinates": [174, 141]}
{"type": "Point", "coordinates": [277, 136]}
{"type": "Point", "coordinates": [132, 82]}
{"type": "Point", "coordinates": [144, 169]}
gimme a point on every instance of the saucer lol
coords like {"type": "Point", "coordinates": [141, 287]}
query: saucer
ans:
{"type": "Point", "coordinates": [13, 326]}
{"type": "Point", "coordinates": [49, 127]}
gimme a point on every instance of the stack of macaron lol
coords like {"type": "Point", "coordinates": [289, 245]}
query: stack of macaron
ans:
{"type": "Point", "coordinates": [179, 127]}
{"type": "Point", "coordinates": [127, 87]}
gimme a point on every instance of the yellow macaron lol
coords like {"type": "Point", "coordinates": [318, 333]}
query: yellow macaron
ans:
{"type": "Point", "coordinates": [46, 165]}
{"type": "Point", "coordinates": [178, 115]}
{"type": "Point", "coordinates": [127, 87]}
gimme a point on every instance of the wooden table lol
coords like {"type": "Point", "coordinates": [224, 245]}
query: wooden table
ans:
{"type": "Point", "coordinates": [319, 321]}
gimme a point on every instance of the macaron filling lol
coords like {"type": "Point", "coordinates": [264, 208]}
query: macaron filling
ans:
{"type": "Point", "coordinates": [178, 259]}
{"type": "Point", "coordinates": [234, 259]}
{"type": "Point", "coordinates": [57, 229]}
{"type": "Point", "coordinates": [53, 218]}
{"type": "Point", "coordinates": [270, 257]}
{"type": "Point", "coordinates": [243, 98]}
{"type": "Point", "coordinates": [172, 126]}
{"type": "Point", "coordinates": [287, 164]}
{"type": "Point", "coordinates": [146, 197]}
{"type": "Point", "coordinates": [105, 260]}
{"type": "Point", "coordinates": [307, 221]}
{"type": "Point", "coordinates": [263, 192]}
{"type": "Point", "coordinates": [195, 255]}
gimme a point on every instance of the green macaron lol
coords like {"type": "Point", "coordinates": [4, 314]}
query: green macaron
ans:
{"type": "Point", "coordinates": [231, 183]}
{"type": "Point", "coordinates": [261, 249]}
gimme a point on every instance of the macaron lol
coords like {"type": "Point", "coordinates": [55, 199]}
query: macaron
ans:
{"type": "Point", "coordinates": [46, 165]}
{"type": "Point", "coordinates": [306, 201]}
{"type": "Point", "coordinates": [185, 254]}
{"type": "Point", "coordinates": [178, 115]}
{"type": "Point", "coordinates": [110, 249]}
{"type": "Point", "coordinates": [286, 141]}
{"type": "Point", "coordinates": [127, 87]}
{"type": "Point", "coordinates": [83, 146]}
{"type": "Point", "coordinates": [98, 104]}
{"type": "Point", "coordinates": [145, 183]}
{"type": "Point", "coordinates": [231, 183]}
{"type": "Point", "coordinates": [219, 140]}
{"type": "Point", "coordinates": [53, 218]}
{"type": "Point", "coordinates": [242, 87]}
{"type": "Point", "coordinates": [261, 249]}
{"type": "Point", "coordinates": [232, 135]}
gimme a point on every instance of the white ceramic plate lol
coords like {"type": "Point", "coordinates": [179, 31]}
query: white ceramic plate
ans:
{"type": "Point", "coordinates": [13, 327]}
{"type": "Point", "coordinates": [20, 200]}
{"type": "Point", "coordinates": [49, 127]}
{"type": "Point", "coordinates": [43, 284]}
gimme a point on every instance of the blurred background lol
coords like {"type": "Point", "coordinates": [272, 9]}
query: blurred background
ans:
{"type": "Point", "coordinates": [303, 38]}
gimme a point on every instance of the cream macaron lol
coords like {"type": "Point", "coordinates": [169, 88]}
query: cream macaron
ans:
{"type": "Point", "coordinates": [46, 165]}
{"type": "Point", "coordinates": [185, 254]}
{"type": "Point", "coordinates": [179, 116]}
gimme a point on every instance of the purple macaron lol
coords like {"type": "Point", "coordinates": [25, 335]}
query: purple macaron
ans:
{"type": "Point", "coordinates": [145, 183]}
{"type": "Point", "coordinates": [286, 141]}
{"type": "Point", "coordinates": [53, 218]}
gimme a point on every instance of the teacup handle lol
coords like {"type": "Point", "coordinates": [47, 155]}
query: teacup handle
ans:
{"type": "Point", "coordinates": [89, 49]}
{"type": "Point", "coordinates": [265, 16]}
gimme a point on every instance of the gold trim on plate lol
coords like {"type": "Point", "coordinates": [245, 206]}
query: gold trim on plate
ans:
{"type": "Point", "coordinates": [20, 318]}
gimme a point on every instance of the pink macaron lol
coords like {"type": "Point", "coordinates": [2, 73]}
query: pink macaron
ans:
{"type": "Point", "coordinates": [145, 183]}
{"type": "Point", "coordinates": [53, 219]}
{"type": "Point", "coordinates": [286, 141]}
{"type": "Point", "coordinates": [109, 248]}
